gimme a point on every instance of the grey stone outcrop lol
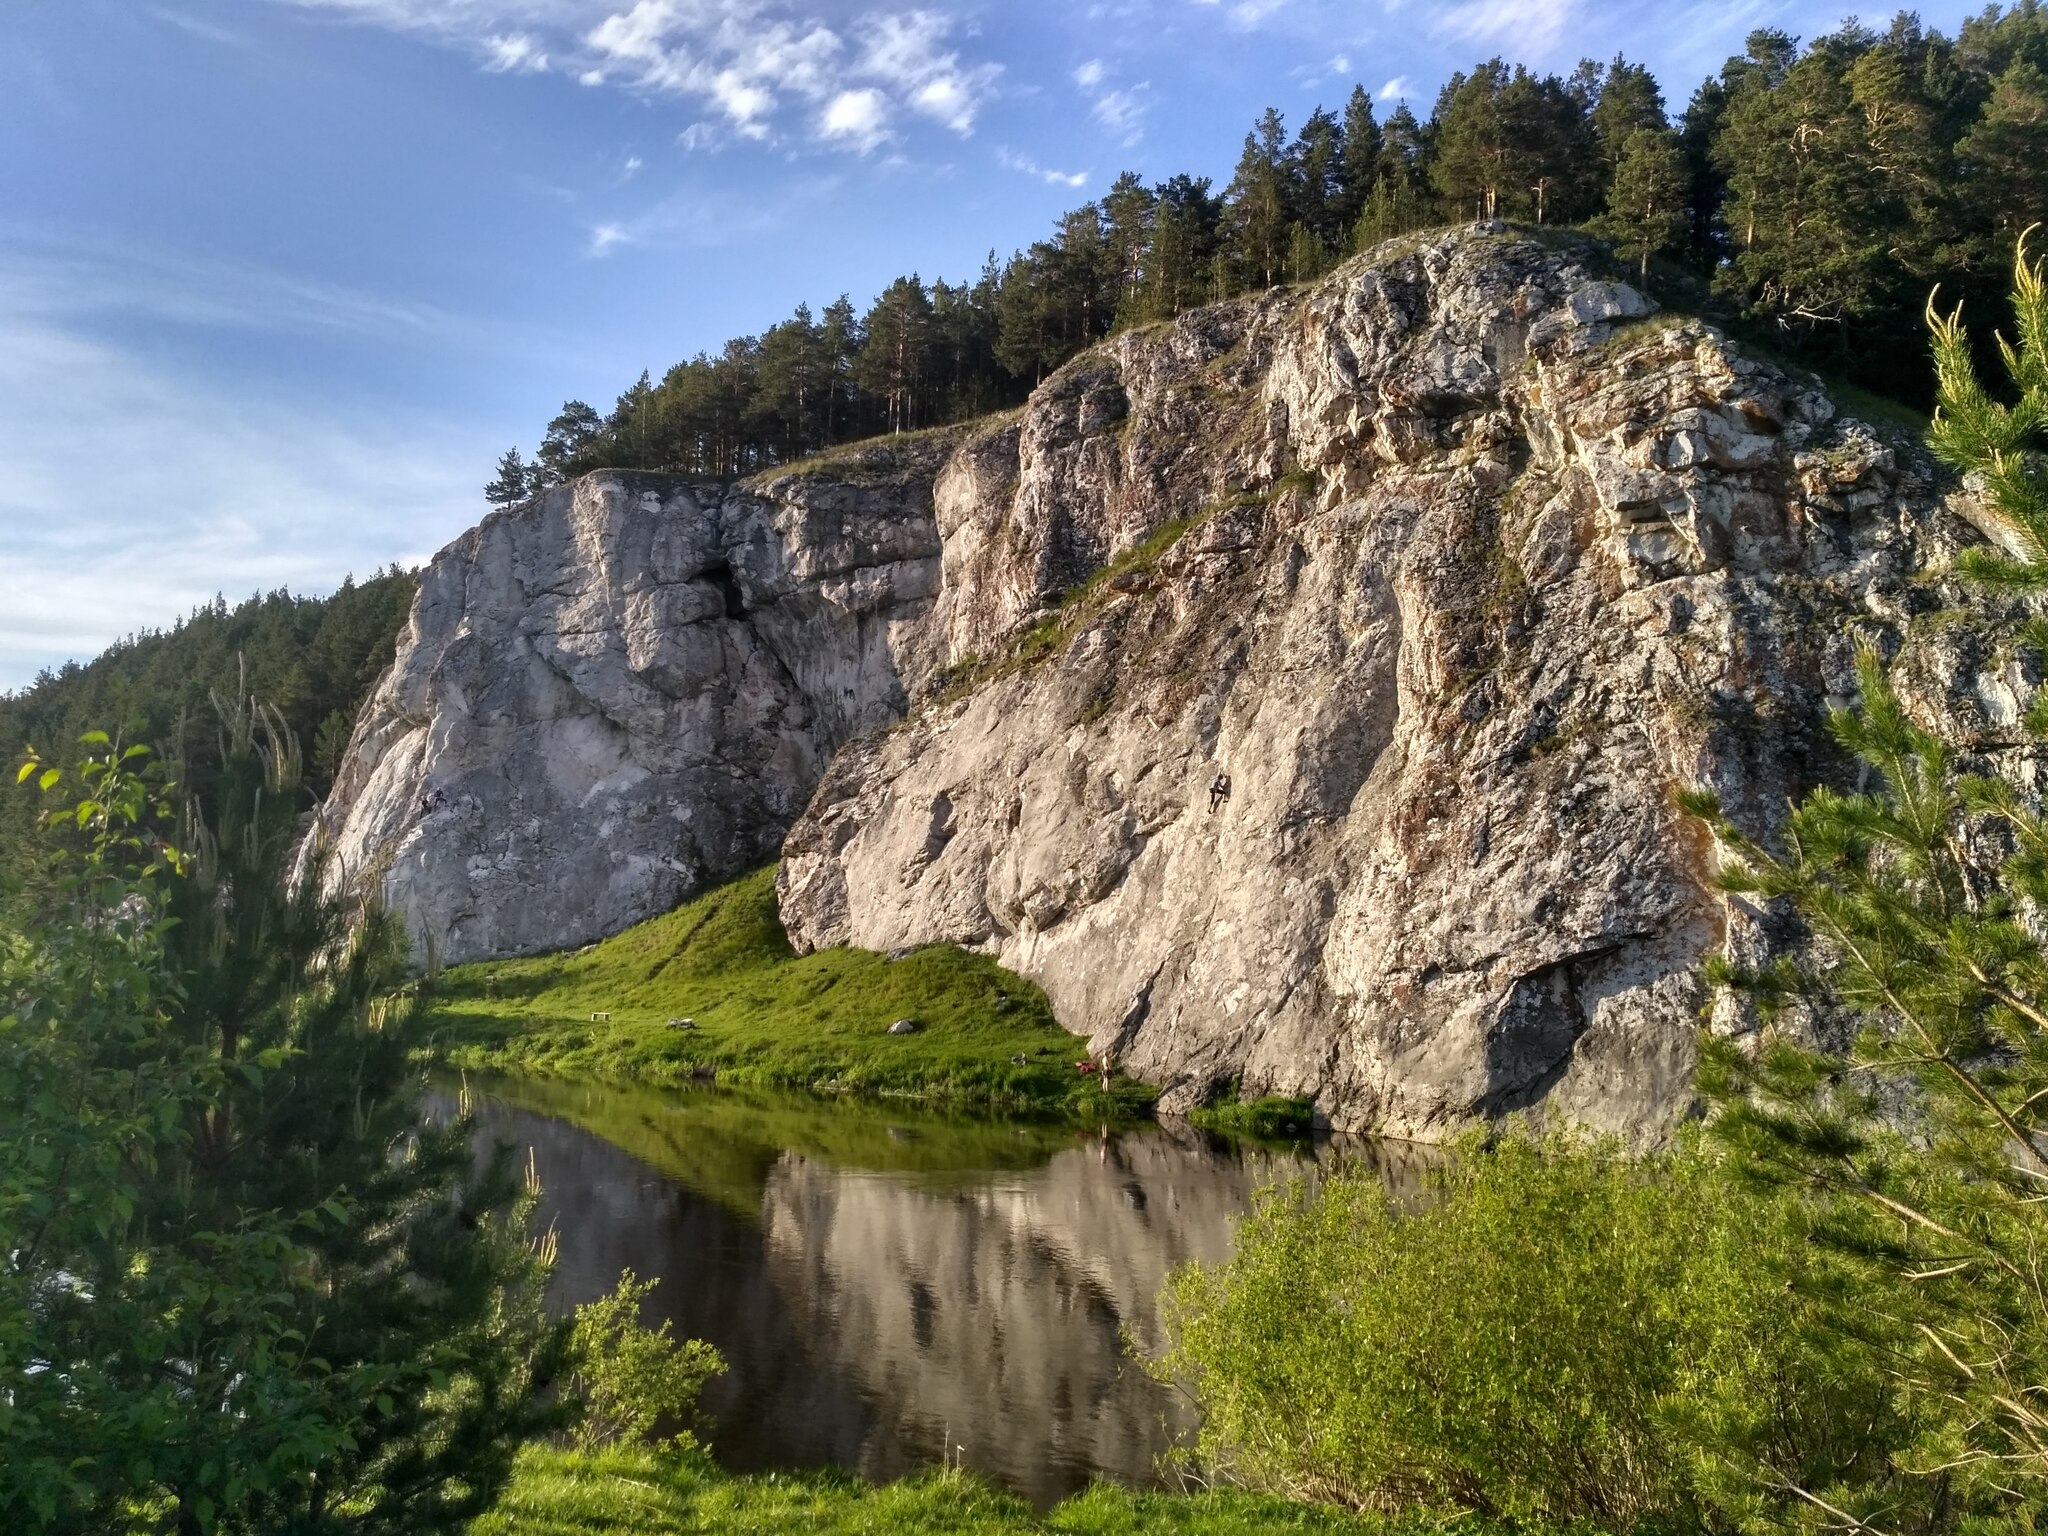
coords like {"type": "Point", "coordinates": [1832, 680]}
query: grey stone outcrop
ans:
{"type": "Point", "coordinates": [1458, 563]}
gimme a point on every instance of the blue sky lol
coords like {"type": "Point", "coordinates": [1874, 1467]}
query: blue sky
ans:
{"type": "Point", "coordinates": [279, 279]}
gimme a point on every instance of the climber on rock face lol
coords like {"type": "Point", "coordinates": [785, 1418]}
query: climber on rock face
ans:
{"type": "Point", "coordinates": [1219, 791]}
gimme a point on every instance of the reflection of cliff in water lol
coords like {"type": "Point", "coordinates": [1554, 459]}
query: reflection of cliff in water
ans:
{"type": "Point", "coordinates": [869, 1315]}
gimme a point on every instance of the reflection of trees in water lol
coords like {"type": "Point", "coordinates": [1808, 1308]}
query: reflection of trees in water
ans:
{"type": "Point", "coordinates": [868, 1316]}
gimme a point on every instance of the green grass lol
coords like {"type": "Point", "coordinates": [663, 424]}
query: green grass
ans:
{"type": "Point", "coordinates": [645, 1493]}
{"type": "Point", "coordinates": [871, 459]}
{"type": "Point", "coordinates": [767, 1018]}
{"type": "Point", "coordinates": [1268, 1119]}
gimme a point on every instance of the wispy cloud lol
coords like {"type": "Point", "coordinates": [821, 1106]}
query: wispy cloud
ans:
{"type": "Point", "coordinates": [1245, 13]}
{"type": "Point", "coordinates": [198, 493]}
{"type": "Point", "coordinates": [1025, 165]}
{"type": "Point", "coordinates": [1119, 109]}
{"type": "Point", "coordinates": [1523, 29]}
{"type": "Point", "coordinates": [515, 53]}
{"type": "Point", "coordinates": [1123, 112]}
{"type": "Point", "coordinates": [606, 236]}
{"type": "Point", "coordinates": [1397, 89]}
{"type": "Point", "coordinates": [195, 26]}
{"type": "Point", "coordinates": [764, 68]}
{"type": "Point", "coordinates": [77, 279]}
{"type": "Point", "coordinates": [908, 51]}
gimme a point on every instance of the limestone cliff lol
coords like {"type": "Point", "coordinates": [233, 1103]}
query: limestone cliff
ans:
{"type": "Point", "coordinates": [1457, 563]}
{"type": "Point", "coordinates": [623, 691]}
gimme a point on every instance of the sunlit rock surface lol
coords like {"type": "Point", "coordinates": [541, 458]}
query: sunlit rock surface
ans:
{"type": "Point", "coordinates": [619, 693]}
{"type": "Point", "coordinates": [1458, 562]}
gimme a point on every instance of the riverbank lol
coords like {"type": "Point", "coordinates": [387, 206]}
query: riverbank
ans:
{"type": "Point", "coordinates": [557, 1493]}
{"type": "Point", "coordinates": [762, 1016]}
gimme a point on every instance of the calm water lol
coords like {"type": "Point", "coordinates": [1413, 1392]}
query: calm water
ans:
{"type": "Point", "coordinates": [885, 1284]}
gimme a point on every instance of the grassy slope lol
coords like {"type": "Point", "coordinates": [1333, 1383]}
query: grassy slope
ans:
{"type": "Point", "coordinates": [768, 1018]}
{"type": "Point", "coordinates": [556, 1493]}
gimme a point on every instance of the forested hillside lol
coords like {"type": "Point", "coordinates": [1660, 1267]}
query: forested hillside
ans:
{"type": "Point", "coordinates": [312, 658]}
{"type": "Point", "coordinates": [1814, 196]}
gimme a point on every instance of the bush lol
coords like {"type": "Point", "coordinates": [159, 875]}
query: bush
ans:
{"type": "Point", "coordinates": [630, 1377]}
{"type": "Point", "coordinates": [1559, 1334]}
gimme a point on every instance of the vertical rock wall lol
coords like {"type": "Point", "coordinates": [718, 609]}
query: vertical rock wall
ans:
{"type": "Point", "coordinates": [1457, 563]}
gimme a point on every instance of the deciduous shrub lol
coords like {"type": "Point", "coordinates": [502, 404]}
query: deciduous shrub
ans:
{"type": "Point", "coordinates": [1559, 1333]}
{"type": "Point", "coordinates": [631, 1377]}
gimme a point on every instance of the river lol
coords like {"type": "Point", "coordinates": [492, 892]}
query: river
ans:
{"type": "Point", "coordinates": [889, 1287]}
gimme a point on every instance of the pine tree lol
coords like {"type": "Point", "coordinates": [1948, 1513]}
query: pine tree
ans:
{"type": "Point", "coordinates": [1314, 165]}
{"type": "Point", "coordinates": [787, 409]}
{"type": "Point", "coordinates": [1399, 199]}
{"type": "Point", "coordinates": [312, 1310]}
{"type": "Point", "coordinates": [570, 439]}
{"type": "Point", "coordinates": [1548, 161]}
{"type": "Point", "coordinates": [2004, 155]}
{"type": "Point", "coordinates": [839, 340]}
{"type": "Point", "coordinates": [1923, 1147]}
{"type": "Point", "coordinates": [1706, 175]}
{"type": "Point", "coordinates": [1358, 164]}
{"type": "Point", "coordinates": [1628, 99]}
{"type": "Point", "coordinates": [1127, 238]}
{"type": "Point", "coordinates": [1024, 323]}
{"type": "Point", "coordinates": [515, 480]}
{"type": "Point", "coordinates": [895, 360]}
{"type": "Point", "coordinates": [1472, 149]}
{"type": "Point", "coordinates": [1646, 213]}
{"type": "Point", "coordinates": [1185, 226]}
{"type": "Point", "coordinates": [1257, 206]}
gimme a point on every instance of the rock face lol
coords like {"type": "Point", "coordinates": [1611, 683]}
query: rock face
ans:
{"type": "Point", "coordinates": [619, 693]}
{"type": "Point", "coordinates": [1457, 564]}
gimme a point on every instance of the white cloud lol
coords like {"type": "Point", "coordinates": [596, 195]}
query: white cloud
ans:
{"type": "Point", "coordinates": [756, 63]}
{"type": "Point", "coordinates": [859, 119]}
{"type": "Point", "coordinates": [1341, 64]}
{"type": "Point", "coordinates": [1526, 29]}
{"type": "Point", "coordinates": [1249, 13]}
{"type": "Point", "coordinates": [515, 53]}
{"type": "Point", "coordinates": [604, 237]}
{"type": "Point", "coordinates": [743, 101]}
{"type": "Point", "coordinates": [1397, 89]}
{"type": "Point", "coordinates": [633, 164]}
{"type": "Point", "coordinates": [948, 100]}
{"type": "Point", "coordinates": [1029, 167]}
{"type": "Point", "coordinates": [906, 51]}
{"type": "Point", "coordinates": [1123, 112]}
